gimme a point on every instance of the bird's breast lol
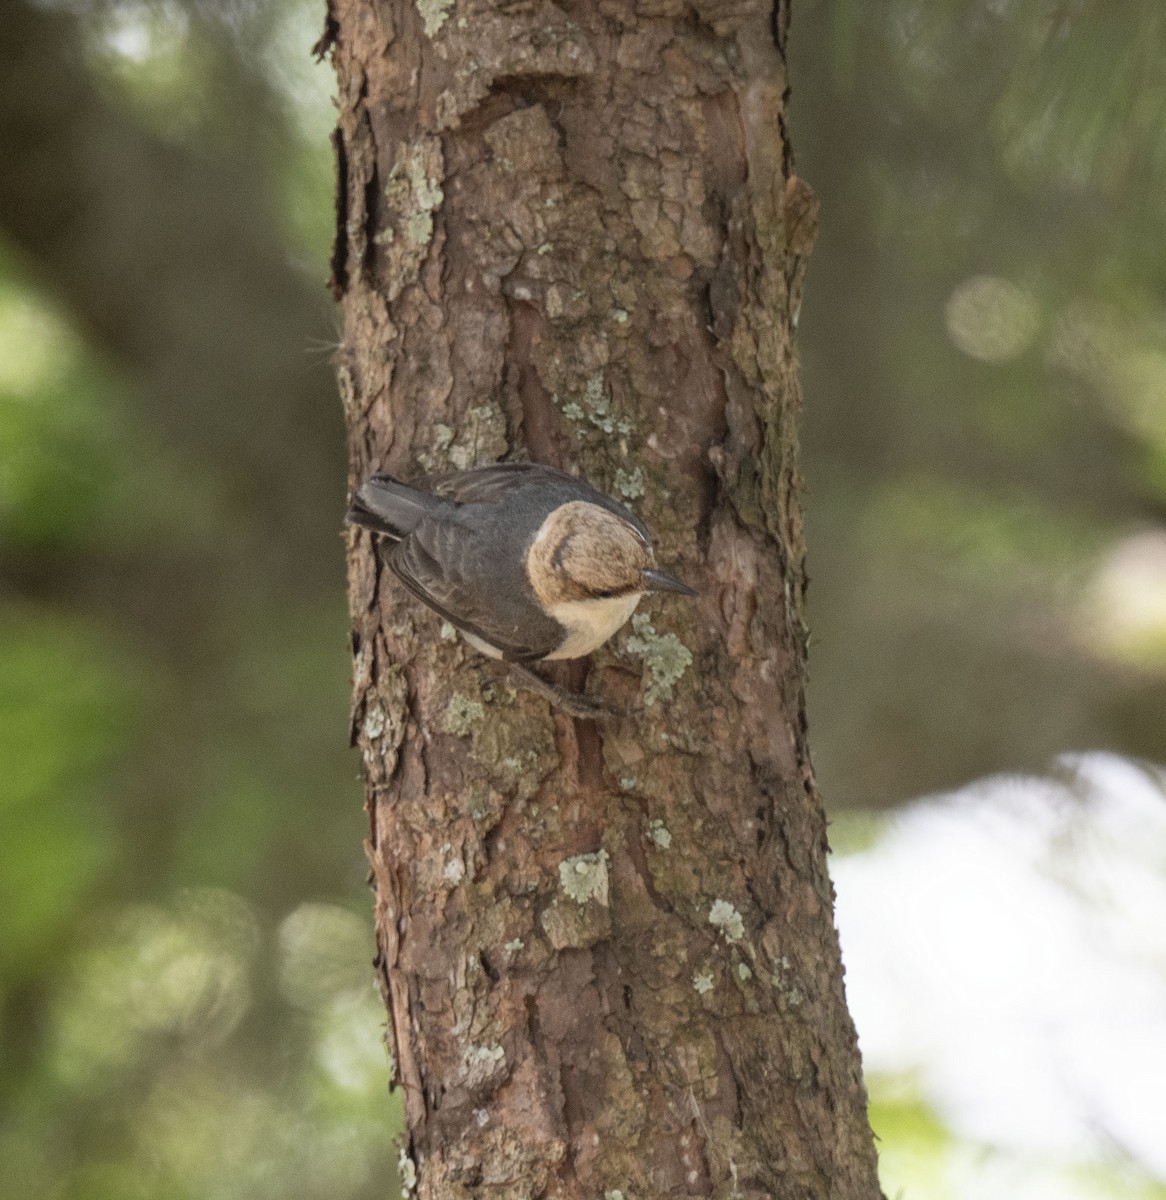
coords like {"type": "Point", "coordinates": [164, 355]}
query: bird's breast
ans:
{"type": "Point", "coordinates": [589, 623]}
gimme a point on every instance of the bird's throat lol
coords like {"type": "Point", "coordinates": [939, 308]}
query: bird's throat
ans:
{"type": "Point", "coordinates": [589, 623]}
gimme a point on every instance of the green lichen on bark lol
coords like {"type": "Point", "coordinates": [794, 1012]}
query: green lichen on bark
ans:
{"type": "Point", "coordinates": [462, 715]}
{"type": "Point", "coordinates": [579, 914]}
{"type": "Point", "coordinates": [412, 194]}
{"type": "Point", "coordinates": [584, 877]}
{"type": "Point", "coordinates": [434, 13]}
{"type": "Point", "coordinates": [728, 920]}
{"type": "Point", "coordinates": [480, 438]}
{"type": "Point", "coordinates": [630, 484]}
{"type": "Point", "coordinates": [665, 656]}
{"type": "Point", "coordinates": [658, 835]}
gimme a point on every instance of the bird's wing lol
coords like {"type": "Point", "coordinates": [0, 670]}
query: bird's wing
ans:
{"type": "Point", "coordinates": [446, 567]}
{"type": "Point", "coordinates": [495, 482]}
{"type": "Point", "coordinates": [527, 487]}
{"type": "Point", "coordinates": [386, 505]}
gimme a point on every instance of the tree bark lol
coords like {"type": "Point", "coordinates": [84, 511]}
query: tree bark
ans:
{"type": "Point", "coordinates": [571, 232]}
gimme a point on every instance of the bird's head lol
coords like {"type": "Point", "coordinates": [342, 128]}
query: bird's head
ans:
{"type": "Point", "coordinates": [584, 551]}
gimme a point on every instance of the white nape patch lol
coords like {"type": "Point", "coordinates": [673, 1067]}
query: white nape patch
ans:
{"type": "Point", "coordinates": [544, 530]}
{"type": "Point", "coordinates": [589, 623]}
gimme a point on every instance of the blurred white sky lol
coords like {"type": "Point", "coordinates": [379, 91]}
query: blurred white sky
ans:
{"type": "Point", "coordinates": [1005, 949]}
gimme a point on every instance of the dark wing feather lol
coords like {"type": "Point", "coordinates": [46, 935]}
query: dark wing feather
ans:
{"type": "Point", "coordinates": [531, 489]}
{"type": "Point", "coordinates": [495, 482]}
{"type": "Point", "coordinates": [446, 566]}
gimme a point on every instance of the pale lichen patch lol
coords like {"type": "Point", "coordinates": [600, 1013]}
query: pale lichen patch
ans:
{"type": "Point", "coordinates": [412, 194]}
{"type": "Point", "coordinates": [665, 656]}
{"type": "Point", "coordinates": [658, 835]}
{"type": "Point", "coordinates": [424, 165]}
{"type": "Point", "coordinates": [514, 751]}
{"type": "Point", "coordinates": [374, 722]}
{"type": "Point", "coordinates": [579, 915]}
{"type": "Point", "coordinates": [584, 877]}
{"type": "Point", "coordinates": [461, 715]}
{"type": "Point", "coordinates": [482, 1063]}
{"type": "Point", "coordinates": [778, 974]}
{"type": "Point", "coordinates": [406, 1172]}
{"type": "Point", "coordinates": [728, 920]}
{"type": "Point", "coordinates": [434, 13]}
{"type": "Point", "coordinates": [481, 437]}
{"type": "Point", "coordinates": [630, 484]}
{"type": "Point", "coordinates": [702, 982]}
{"type": "Point", "coordinates": [419, 228]}
{"type": "Point", "coordinates": [597, 404]}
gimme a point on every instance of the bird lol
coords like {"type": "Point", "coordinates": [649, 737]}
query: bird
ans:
{"type": "Point", "coordinates": [529, 563]}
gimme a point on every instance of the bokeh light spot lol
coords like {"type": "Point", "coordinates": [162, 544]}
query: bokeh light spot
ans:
{"type": "Point", "coordinates": [991, 318]}
{"type": "Point", "coordinates": [1124, 615]}
{"type": "Point", "coordinates": [324, 950]}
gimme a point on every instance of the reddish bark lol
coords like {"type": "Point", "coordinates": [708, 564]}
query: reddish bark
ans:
{"type": "Point", "coordinates": [571, 232]}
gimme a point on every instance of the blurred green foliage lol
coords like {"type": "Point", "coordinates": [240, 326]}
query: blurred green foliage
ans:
{"type": "Point", "coordinates": [186, 1008]}
{"type": "Point", "coordinates": [982, 341]}
{"type": "Point", "coordinates": [67, 706]}
{"type": "Point", "coordinates": [186, 1003]}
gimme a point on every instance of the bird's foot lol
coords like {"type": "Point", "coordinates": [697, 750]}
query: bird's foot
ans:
{"type": "Point", "coordinates": [574, 704]}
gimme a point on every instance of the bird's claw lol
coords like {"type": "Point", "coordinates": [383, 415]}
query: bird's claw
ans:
{"type": "Point", "coordinates": [586, 708]}
{"type": "Point", "coordinates": [574, 704]}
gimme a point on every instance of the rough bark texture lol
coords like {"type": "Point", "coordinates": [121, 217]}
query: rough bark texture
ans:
{"type": "Point", "coordinates": [570, 231]}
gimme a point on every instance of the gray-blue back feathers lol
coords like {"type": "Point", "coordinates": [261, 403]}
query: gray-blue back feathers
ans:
{"type": "Point", "coordinates": [386, 506]}
{"type": "Point", "coordinates": [461, 545]}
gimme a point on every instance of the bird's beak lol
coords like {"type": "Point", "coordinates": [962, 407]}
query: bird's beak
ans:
{"type": "Point", "coordinates": [656, 580]}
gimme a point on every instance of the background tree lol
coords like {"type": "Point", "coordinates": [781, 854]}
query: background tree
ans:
{"type": "Point", "coordinates": [607, 951]}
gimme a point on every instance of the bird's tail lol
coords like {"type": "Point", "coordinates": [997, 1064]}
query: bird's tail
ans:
{"type": "Point", "coordinates": [385, 505]}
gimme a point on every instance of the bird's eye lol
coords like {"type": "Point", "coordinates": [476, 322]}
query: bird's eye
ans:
{"type": "Point", "coordinates": [606, 594]}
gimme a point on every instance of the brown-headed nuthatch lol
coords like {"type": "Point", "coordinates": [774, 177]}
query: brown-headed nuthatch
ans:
{"type": "Point", "coordinates": [530, 564]}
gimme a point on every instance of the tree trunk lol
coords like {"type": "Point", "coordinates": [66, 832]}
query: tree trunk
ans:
{"type": "Point", "coordinates": [570, 231]}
